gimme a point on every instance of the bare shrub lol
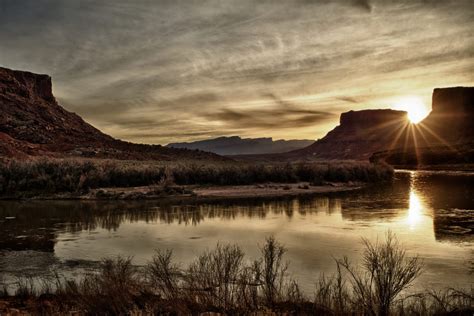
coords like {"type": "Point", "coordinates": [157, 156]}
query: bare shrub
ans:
{"type": "Point", "coordinates": [293, 293]}
{"type": "Point", "coordinates": [273, 270]}
{"type": "Point", "coordinates": [332, 293]}
{"type": "Point", "coordinates": [220, 280]}
{"type": "Point", "coordinates": [112, 290]}
{"type": "Point", "coordinates": [249, 283]}
{"type": "Point", "coordinates": [213, 276]}
{"type": "Point", "coordinates": [163, 275]}
{"type": "Point", "coordinates": [438, 302]}
{"type": "Point", "coordinates": [386, 271]}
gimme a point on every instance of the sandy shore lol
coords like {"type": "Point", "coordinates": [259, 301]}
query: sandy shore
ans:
{"type": "Point", "coordinates": [220, 192]}
{"type": "Point", "coordinates": [270, 190]}
{"type": "Point", "coordinates": [202, 192]}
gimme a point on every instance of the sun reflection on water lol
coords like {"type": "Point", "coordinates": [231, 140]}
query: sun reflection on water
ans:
{"type": "Point", "coordinates": [414, 215]}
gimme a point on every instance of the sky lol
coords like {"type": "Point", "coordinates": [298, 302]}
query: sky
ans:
{"type": "Point", "coordinates": [169, 70]}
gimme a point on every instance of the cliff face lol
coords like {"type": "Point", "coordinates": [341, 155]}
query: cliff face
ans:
{"type": "Point", "coordinates": [25, 84]}
{"type": "Point", "coordinates": [452, 116]}
{"type": "Point", "coordinates": [359, 134]}
{"type": "Point", "coordinates": [236, 145]}
{"type": "Point", "coordinates": [32, 123]}
{"type": "Point", "coordinates": [457, 101]}
{"type": "Point", "coordinates": [30, 113]}
{"type": "Point", "coordinates": [370, 118]}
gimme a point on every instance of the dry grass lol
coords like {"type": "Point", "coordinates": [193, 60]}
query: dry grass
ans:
{"type": "Point", "coordinates": [223, 280]}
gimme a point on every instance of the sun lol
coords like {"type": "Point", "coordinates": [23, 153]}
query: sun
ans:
{"type": "Point", "coordinates": [415, 107]}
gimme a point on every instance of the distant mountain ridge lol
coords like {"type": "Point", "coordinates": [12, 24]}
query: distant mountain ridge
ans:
{"type": "Point", "coordinates": [32, 123]}
{"type": "Point", "coordinates": [235, 145]}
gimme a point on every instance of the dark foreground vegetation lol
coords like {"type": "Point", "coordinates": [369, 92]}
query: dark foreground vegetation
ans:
{"type": "Point", "coordinates": [48, 176]}
{"type": "Point", "coordinates": [224, 281]}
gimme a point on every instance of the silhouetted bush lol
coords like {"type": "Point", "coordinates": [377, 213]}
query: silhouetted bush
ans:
{"type": "Point", "coordinates": [111, 291]}
{"type": "Point", "coordinates": [78, 176]}
{"type": "Point", "coordinates": [222, 280]}
{"type": "Point", "coordinates": [386, 271]}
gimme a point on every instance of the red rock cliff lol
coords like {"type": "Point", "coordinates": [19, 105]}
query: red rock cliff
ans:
{"type": "Point", "coordinates": [452, 116]}
{"type": "Point", "coordinates": [32, 123]}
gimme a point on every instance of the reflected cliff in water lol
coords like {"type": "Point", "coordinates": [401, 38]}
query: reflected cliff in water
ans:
{"type": "Point", "coordinates": [431, 213]}
{"type": "Point", "coordinates": [442, 203]}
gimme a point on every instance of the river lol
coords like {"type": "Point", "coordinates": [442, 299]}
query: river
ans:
{"type": "Point", "coordinates": [431, 213]}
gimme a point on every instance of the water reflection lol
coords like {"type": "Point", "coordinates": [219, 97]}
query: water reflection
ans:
{"type": "Point", "coordinates": [417, 210]}
{"type": "Point", "coordinates": [413, 198]}
{"type": "Point", "coordinates": [431, 213]}
{"type": "Point", "coordinates": [36, 225]}
{"type": "Point", "coordinates": [414, 215]}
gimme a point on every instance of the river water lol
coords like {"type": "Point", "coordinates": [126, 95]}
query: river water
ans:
{"type": "Point", "coordinates": [432, 214]}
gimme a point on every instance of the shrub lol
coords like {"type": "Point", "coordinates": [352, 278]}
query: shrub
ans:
{"type": "Point", "coordinates": [112, 291]}
{"type": "Point", "coordinates": [386, 272]}
{"type": "Point", "coordinates": [43, 176]}
{"type": "Point", "coordinates": [273, 270]}
{"type": "Point", "coordinates": [163, 275]}
{"type": "Point", "coordinates": [221, 280]}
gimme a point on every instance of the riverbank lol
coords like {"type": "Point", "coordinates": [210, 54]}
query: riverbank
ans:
{"type": "Point", "coordinates": [100, 179]}
{"type": "Point", "coordinates": [201, 193]}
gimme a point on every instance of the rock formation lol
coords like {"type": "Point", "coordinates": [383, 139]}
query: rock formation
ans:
{"type": "Point", "coordinates": [32, 123]}
{"type": "Point", "coordinates": [359, 135]}
{"type": "Point", "coordinates": [445, 136]}
{"type": "Point", "coordinates": [452, 116]}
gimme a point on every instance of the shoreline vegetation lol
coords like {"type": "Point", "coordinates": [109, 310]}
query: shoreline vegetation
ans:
{"type": "Point", "coordinates": [114, 179]}
{"type": "Point", "coordinates": [224, 281]}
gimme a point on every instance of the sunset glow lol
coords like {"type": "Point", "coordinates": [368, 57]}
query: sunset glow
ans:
{"type": "Point", "coordinates": [188, 157]}
{"type": "Point", "coordinates": [416, 108]}
{"type": "Point", "coordinates": [281, 69]}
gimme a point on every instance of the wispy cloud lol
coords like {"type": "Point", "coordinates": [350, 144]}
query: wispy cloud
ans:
{"type": "Point", "coordinates": [179, 70]}
{"type": "Point", "coordinates": [282, 115]}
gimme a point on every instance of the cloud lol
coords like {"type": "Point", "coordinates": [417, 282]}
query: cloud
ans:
{"type": "Point", "coordinates": [365, 5]}
{"type": "Point", "coordinates": [181, 68]}
{"type": "Point", "coordinates": [266, 119]}
{"type": "Point", "coordinates": [283, 114]}
{"type": "Point", "coordinates": [200, 134]}
{"type": "Point", "coordinates": [348, 99]}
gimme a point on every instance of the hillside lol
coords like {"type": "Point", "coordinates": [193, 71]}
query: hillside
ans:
{"type": "Point", "coordinates": [32, 123]}
{"type": "Point", "coordinates": [236, 145]}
